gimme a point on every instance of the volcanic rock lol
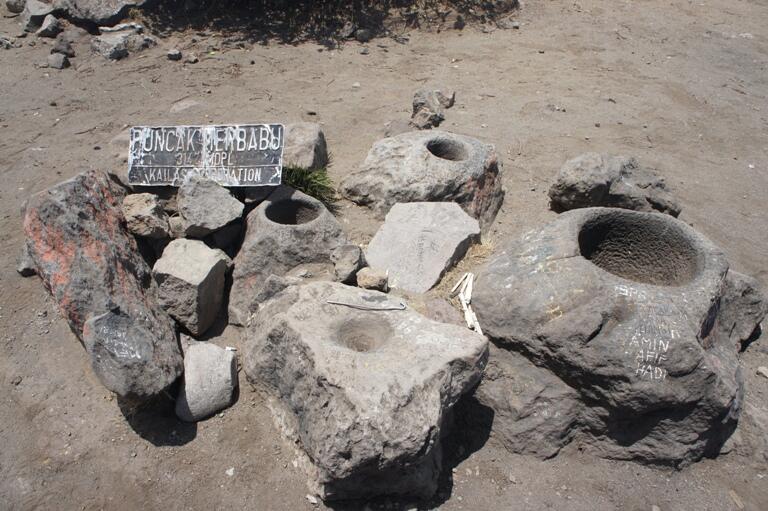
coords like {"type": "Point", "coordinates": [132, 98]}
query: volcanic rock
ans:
{"type": "Point", "coordinates": [367, 393]}
{"type": "Point", "coordinates": [430, 238]}
{"type": "Point", "coordinates": [429, 166]}
{"type": "Point", "coordinates": [190, 277]}
{"type": "Point", "coordinates": [347, 260]}
{"type": "Point", "coordinates": [90, 264]}
{"type": "Point", "coordinates": [742, 308]}
{"type": "Point", "coordinates": [305, 146]}
{"type": "Point", "coordinates": [206, 206]}
{"type": "Point", "coordinates": [145, 217]}
{"type": "Point", "coordinates": [429, 107]}
{"type": "Point", "coordinates": [614, 181]}
{"type": "Point", "coordinates": [210, 380]}
{"type": "Point", "coordinates": [286, 230]}
{"type": "Point", "coordinates": [622, 306]}
{"type": "Point", "coordinates": [15, 6]}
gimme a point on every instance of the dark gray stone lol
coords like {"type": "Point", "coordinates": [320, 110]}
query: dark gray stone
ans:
{"type": "Point", "coordinates": [622, 306]}
{"type": "Point", "coordinates": [15, 6]}
{"type": "Point", "coordinates": [51, 27]}
{"type": "Point", "coordinates": [429, 166]}
{"type": "Point", "coordinates": [742, 308]}
{"type": "Point", "coordinates": [286, 230]}
{"type": "Point", "coordinates": [210, 380]}
{"type": "Point", "coordinates": [615, 181]}
{"type": "Point", "coordinates": [366, 394]}
{"type": "Point", "coordinates": [92, 268]}
{"type": "Point", "coordinates": [206, 206]}
{"type": "Point", "coordinates": [174, 54]}
{"type": "Point", "coordinates": [420, 241]}
{"type": "Point", "coordinates": [347, 260]}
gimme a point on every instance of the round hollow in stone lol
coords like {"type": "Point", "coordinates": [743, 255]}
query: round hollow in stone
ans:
{"type": "Point", "coordinates": [364, 335]}
{"type": "Point", "coordinates": [447, 149]}
{"type": "Point", "coordinates": [643, 249]}
{"type": "Point", "coordinates": [292, 212]}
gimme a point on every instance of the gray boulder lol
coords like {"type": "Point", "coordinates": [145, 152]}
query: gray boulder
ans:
{"type": "Point", "coordinates": [367, 394]}
{"type": "Point", "coordinates": [51, 27]}
{"type": "Point", "coordinates": [347, 260]}
{"type": "Point", "coordinates": [190, 277]}
{"type": "Point", "coordinates": [206, 206]}
{"type": "Point", "coordinates": [430, 238]}
{"type": "Point", "coordinates": [742, 308]}
{"type": "Point", "coordinates": [429, 166]}
{"type": "Point", "coordinates": [429, 107]}
{"type": "Point", "coordinates": [210, 380]}
{"type": "Point", "coordinates": [15, 6]}
{"type": "Point", "coordinates": [286, 230]}
{"type": "Point", "coordinates": [63, 45]}
{"type": "Point", "coordinates": [92, 268]}
{"type": "Point", "coordinates": [622, 305]}
{"type": "Point", "coordinates": [614, 181]}
{"type": "Point", "coordinates": [144, 216]}
{"type": "Point", "coordinates": [305, 146]}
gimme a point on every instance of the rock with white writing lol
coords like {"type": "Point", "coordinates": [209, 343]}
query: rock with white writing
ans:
{"type": "Point", "coordinates": [614, 181]}
{"type": "Point", "coordinates": [305, 146]}
{"type": "Point", "coordinates": [145, 217]}
{"type": "Point", "coordinates": [347, 260]}
{"type": "Point", "coordinates": [742, 308]}
{"type": "Point", "coordinates": [533, 411]}
{"type": "Point", "coordinates": [430, 238]}
{"type": "Point", "coordinates": [622, 305]}
{"type": "Point", "coordinates": [429, 107]}
{"type": "Point", "coordinates": [429, 166]}
{"type": "Point", "coordinates": [206, 206]}
{"type": "Point", "coordinates": [366, 392]}
{"type": "Point", "coordinates": [210, 380]}
{"type": "Point", "coordinates": [50, 28]}
{"type": "Point", "coordinates": [92, 268]}
{"type": "Point", "coordinates": [15, 6]}
{"type": "Point", "coordinates": [286, 230]}
{"type": "Point", "coordinates": [190, 277]}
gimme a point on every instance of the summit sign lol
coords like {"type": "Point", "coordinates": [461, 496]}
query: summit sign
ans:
{"type": "Point", "coordinates": [231, 155]}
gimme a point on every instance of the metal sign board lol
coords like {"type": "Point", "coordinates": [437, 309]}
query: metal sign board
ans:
{"type": "Point", "coordinates": [231, 155]}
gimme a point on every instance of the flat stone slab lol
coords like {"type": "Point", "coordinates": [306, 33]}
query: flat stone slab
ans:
{"type": "Point", "coordinates": [367, 392]}
{"type": "Point", "coordinates": [419, 241]}
{"type": "Point", "coordinates": [210, 379]}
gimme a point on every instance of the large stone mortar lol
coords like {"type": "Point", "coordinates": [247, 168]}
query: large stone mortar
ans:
{"type": "Point", "coordinates": [622, 306]}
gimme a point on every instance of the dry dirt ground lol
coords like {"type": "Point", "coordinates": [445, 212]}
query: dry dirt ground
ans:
{"type": "Point", "coordinates": [679, 84]}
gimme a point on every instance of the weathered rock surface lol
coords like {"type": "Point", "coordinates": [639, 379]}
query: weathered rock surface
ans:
{"type": "Point", "coordinates": [91, 266]}
{"type": "Point", "coordinates": [622, 306]}
{"type": "Point", "coordinates": [614, 181]}
{"type": "Point", "coordinates": [429, 107]}
{"type": "Point", "coordinates": [305, 146]}
{"type": "Point", "coordinates": [370, 278]}
{"type": "Point", "coordinates": [430, 166]}
{"type": "Point", "coordinates": [367, 393]}
{"type": "Point", "coordinates": [347, 260]}
{"type": "Point", "coordinates": [51, 27]}
{"type": "Point", "coordinates": [210, 380]}
{"type": "Point", "coordinates": [286, 230]}
{"type": "Point", "coordinates": [15, 6]}
{"type": "Point", "coordinates": [144, 216]}
{"type": "Point", "coordinates": [206, 206]}
{"type": "Point", "coordinates": [430, 238]}
{"type": "Point", "coordinates": [190, 277]}
{"type": "Point", "coordinates": [742, 308]}
{"type": "Point", "coordinates": [534, 412]}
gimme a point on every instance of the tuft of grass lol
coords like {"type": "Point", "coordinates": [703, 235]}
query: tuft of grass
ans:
{"type": "Point", "coordinates": [315, 183]}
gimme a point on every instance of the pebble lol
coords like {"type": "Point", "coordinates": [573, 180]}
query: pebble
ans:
{"type": "Point", "coordinates": [192, 59]}
{"type": "Point", "coordinates": [230, 471]}
{"type": "Point", "coordinates": [365, 51]}
{"type": "Point", "coordinates": [174, 54]}
{"type": "Point", "coordinates": [356, 85]}
{"type": "Point", "coordinates": [763, 371]}
{"type": "Point", "coordinates": [312, 499]}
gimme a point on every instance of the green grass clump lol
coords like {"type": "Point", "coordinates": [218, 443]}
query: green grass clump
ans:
{"type": "Point", "coordinates": [315, 183]}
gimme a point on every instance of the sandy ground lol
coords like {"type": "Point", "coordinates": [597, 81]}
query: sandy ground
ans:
{"type": "Point", "coordinates": [681, 85]}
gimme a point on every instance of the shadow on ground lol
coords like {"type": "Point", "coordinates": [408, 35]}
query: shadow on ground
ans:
{"type": "Point", "coordinates": [155, 421]}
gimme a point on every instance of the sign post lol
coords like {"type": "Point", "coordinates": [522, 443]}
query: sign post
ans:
{"type": "Point", "coordinates": [231, 155]}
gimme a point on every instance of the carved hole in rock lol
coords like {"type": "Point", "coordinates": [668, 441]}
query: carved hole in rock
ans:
{"type": "Point", "coordinates": [364, 335]}
{"type": "Point", "coordinates": [644, 249]}
{"type": "Point", "coordinates": [447, 149]}
{"type": "Point", "coordinates": [292, 212]}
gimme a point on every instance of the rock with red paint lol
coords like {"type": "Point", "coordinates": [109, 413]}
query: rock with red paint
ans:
{"type": "Point", "coordinates": [90, 264]}
{"type": "Point", "coordinates": [429, 166]}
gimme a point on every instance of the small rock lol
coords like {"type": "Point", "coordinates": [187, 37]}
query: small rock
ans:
{"type": "Point", "coordinates": [25, 264]}
{"type": "Point", "coordinates": [174, 55]}
{"type": "Point", "coordinates": [312, 499]}
{"type": "Point", "coordinates": [230, 471]}
{"type": "Point", "coordinates": [190, 278]}
{"type": "Point", "coordinates": [363, 35]}
{"type": "Point", "coordinates": [365, 51]}
{"type": "Point", "coordinates": [347, 260]}
{"type": "Point", "coordinates": [15, 6]}
{"type": "Point", "coordinates": [192, 59]}
{"type": "Point", "coordinates": [16, 381]}
{"type": "Point", "coordinates": [206, 206]}
{"type": "Point", "coordinates": [144, 216]}
{"type": "Point", "coordinates": [356, 85]}
{"type": "Point", "coordinates": [63, 46]}
{"type": "Point", "coordinates": [58, 61]}
{"type": "Point", "coordinates": [305, 146]}
{"type": "Point", "coordinates": [368, 278]}
{"type": "Point", "coordinates": [429, 107]}
{"type": "Point", "coordinates": [51, 27]}
{"type": "Point", "coordinates": [763, 371]}
{"type": "Point", "coordinates": [210, 379]}
{"type": "Point", "coordinates": [176, 224]}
